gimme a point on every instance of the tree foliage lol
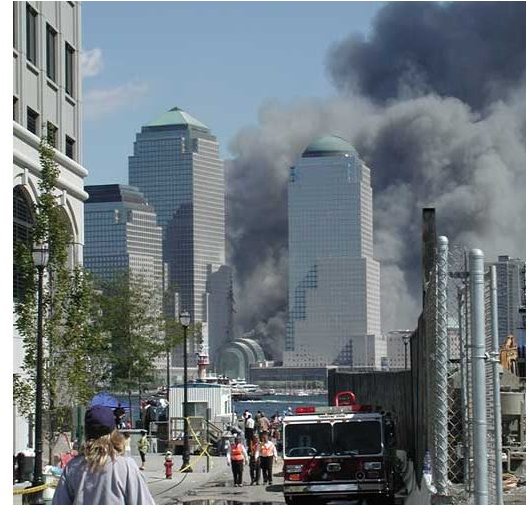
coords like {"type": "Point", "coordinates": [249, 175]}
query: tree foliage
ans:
{"type": "Point", "coordinates": [131, 319]}
{"type": "Point", "coordinates": [70, 333]}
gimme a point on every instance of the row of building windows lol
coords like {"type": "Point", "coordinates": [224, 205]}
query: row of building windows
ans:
{"type": "Point", "coordinates": [51, 50]}
{"type": "Point", "coordinates": [32, 124]}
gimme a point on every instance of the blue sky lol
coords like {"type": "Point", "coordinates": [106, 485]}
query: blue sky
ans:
{"type": "Point", "coordinates": [220, 61]}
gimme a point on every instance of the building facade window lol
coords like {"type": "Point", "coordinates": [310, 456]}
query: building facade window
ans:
{"type": "Point", "coordinates": [15, 108]}
{"type": "Point", "coordinates": [69, 147]}
{"type": "Point", "coordinates": [51, 53]}
{"type": "Point", "coordinates": [15, 27]}
{"type": "Point", "coordinates": [69, 69]}
{"type": "Point", "coordinates": [33, 121]}
{"type": "Point", "coordinates": [22, 227]}
{"type": "Point", "coordinates": [51, 133]}
{"type": "Point", "coordinates": [31, 34]}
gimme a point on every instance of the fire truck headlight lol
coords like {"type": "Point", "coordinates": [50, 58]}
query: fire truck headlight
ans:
{"type": "Point", "coordinates": [293, 468]}
{"type": "Point", "coordinates": [372, 465]}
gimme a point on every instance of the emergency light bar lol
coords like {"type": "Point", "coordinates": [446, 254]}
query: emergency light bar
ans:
{"type": "Point", "coordinates": [311, 409]}
{"type": "Point", "coordinates": [345, 402]}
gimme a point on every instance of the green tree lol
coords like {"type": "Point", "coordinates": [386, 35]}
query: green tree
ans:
{"type": "Point", "coordinates": [131, 318]}
{"type": "Point", "coordinates": [173, 331]}
{"type": "Point", "coordinates": [68, 328]}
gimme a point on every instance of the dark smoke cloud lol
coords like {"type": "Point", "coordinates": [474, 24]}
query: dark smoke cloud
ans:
{"type": "Point", "coordinates": [464, 156]}
{"type": "Point", "coordinates": [474, 51]}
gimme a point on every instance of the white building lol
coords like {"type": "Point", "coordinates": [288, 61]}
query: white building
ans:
{"type": "Point", "coordinates": [398, 344]}
{"type": "Point", "coordinates": [334, 284]}
{"type": "Point", "coordinates": [46, 102]}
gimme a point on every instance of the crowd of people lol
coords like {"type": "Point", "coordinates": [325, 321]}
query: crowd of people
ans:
{"type": "Point", "coordinates": [104, 473]}
{"type": "Point", "coordinates": [258, 449]}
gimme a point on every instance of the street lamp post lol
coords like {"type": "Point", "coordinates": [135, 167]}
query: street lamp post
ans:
{"type": "Point", "coordinates": [405, 343]}
{"type": "Point", "coordinates": [185, 319]}
{"type": "Point", "coordinates": [167, 373]}
{"type": "Point", "coordinates": [40, 259]}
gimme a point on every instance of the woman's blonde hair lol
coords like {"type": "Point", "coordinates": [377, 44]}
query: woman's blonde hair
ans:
{"type": "Point", "coordinates": [97, 451]}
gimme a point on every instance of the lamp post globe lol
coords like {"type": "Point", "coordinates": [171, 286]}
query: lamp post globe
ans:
{"type": "Point", "coordinates": [40, 254]}
{"type": "Point", "coordinates": [185, 320]}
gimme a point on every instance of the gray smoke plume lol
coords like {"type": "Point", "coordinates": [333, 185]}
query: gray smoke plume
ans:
{"type": "Point", "coordinates": [474, 51]}
{"type": "Point", "coordinates": [426, 138]}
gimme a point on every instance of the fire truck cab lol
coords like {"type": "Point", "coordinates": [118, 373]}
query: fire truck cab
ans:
{"type": "Point", "coordinates": [343, 451]}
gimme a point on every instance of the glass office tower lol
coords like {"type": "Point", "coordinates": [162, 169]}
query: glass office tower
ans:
{"type": "Point", "coordinates": [121, 234]}
{"type": "Point", "coordinates": [334, 296]}
{"type": "Point", "coordinates": [176, 165]}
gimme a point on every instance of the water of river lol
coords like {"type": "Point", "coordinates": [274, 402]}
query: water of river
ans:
{"type": "Point", "coordinates": [268, 405]}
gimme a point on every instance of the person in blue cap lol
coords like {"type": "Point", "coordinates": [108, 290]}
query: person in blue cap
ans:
{"type": "Point", "coordinates": [102, 474]}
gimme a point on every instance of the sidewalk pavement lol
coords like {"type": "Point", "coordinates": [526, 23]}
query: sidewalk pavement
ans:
{"type": "Point", "coordinates": [168, 491]}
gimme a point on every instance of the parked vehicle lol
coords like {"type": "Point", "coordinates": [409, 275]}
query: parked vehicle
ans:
{"type": "Point", "coordinates": [341, 451]}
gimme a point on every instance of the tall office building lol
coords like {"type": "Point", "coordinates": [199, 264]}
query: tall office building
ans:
{"type": "Point", "coordinates": [176, 165]}
{"type": "Point", "coordinates": [334, 297]}
{"type": "Point", "coordinates": [121, 234]}
{"type": "Point", "coordinates": [46, 102]}
{"type": "Point", "coordinates": [510, 296]}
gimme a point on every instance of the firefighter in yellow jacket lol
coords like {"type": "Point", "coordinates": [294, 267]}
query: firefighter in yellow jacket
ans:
{"type": "Point", "coordinates": [237, 456]}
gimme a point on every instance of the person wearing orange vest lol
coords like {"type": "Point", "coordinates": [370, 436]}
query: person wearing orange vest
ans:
{"type": "Point", "coordinates": [254, 461]}
{"type": "Point", "coordinates": [237, 456]}
{"type": "Point", "coordinates": [266, 452]}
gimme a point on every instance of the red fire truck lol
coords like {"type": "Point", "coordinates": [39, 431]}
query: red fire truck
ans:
{"type": "Point", "coordinates": [343, 451]}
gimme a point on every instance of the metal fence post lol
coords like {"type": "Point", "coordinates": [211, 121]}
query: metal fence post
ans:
{"type": "Point", "coordinates": [463, 383]}
{"type": "Point", "coordinates": [496, 387]}
{"type": "Point", "coordinates": [478, 343]}
{"type": "Point", "coordinates": [440, 468]}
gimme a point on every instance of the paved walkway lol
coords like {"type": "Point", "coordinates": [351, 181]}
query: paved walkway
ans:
{"type": "Point", "coordinates": [171, 491]}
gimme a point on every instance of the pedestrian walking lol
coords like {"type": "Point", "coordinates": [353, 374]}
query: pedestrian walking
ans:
{"type": "Point", "coordinates": [236, 457]}
{"type": "Point", "coordinates": [119, 416]}
{"type": "Point", "coordinates": [264, 424]}
{"type": "Point", "coordinates": [249, 428]}
{"type": "Point", "coordinates": [101, 474]}
{"type": "Point", "coordinates": [254, 467]}
{"type": "Point", "coordinates": [143, 446]}
{"type": "Point", "coordinates": [267, 454]}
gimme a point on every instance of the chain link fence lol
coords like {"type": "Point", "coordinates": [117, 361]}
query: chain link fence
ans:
{"type": "Point", "coordinates": [444, 344]}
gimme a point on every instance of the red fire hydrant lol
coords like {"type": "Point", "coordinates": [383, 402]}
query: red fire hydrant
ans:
{"type": "Point", "coordinates": [168, 464]}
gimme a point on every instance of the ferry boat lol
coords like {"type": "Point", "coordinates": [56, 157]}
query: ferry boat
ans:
{"type": "Point", "coordinates": [239, 385]}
